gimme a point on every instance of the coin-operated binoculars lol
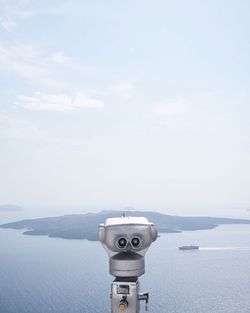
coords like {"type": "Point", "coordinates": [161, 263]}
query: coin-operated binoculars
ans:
{"type": "Point", "coordinates": [127, 239]}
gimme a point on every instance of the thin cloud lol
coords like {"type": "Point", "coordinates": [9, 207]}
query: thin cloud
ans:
{"type": "Point", "coordinates": [12, 14]}
{"type": "Point", "coordinates": [171, 113]}
{"type": "Point", "coordinates": [123, 87]}
{"type": "Point", "coordinates": [25, 61]}
{"type": "Point", "coordinates": [58, 102]}
{"type": "Point", "coordinates": [60, 57]}
{"type": "Point", "coordinates": [171, 107]}
{"type": "Point", "coordinates": [8, 25]}
{"type": "Point", "coordinates": [36, 66]}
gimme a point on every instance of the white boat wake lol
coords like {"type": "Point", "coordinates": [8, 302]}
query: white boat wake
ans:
{"type": "Point", "coordinates": [225, 248]}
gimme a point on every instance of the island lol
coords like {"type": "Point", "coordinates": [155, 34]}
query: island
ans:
{"type": "Point", "coordinates": [85, 226]}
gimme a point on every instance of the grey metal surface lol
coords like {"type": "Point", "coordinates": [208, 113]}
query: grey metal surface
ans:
{"type": "Point", "coordinates": [126, 240]}
{"type": "Point", "coordinates": [127, 228]}
{"type": "Point", "coordinates": [118, 296]}
{"type": "Point", "coordinates": [127, 265]}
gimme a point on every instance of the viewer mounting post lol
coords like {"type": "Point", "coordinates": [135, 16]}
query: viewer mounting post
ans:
{"type": "Point", "coordinates": [127, 239]}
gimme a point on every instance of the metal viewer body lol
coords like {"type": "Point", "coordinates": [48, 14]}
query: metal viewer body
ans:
{"type": "Point", "coordinates": [126, 240]}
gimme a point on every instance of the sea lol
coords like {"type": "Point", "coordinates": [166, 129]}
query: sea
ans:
{"type": "Point", "coordinates": [51, 275]}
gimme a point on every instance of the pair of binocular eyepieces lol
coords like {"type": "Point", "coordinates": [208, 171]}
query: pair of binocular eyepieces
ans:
{"type": "Point", "coordinates": [123, 242]}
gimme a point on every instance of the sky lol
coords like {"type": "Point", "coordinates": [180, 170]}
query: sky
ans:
{"type": "Point", "coordinates": [125, 103]}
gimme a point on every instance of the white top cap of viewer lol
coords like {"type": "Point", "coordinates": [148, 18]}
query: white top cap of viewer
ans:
{"type": "Point", "coordinates": [127, 220]}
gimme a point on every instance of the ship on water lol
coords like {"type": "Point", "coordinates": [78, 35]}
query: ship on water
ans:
{"type": "Point", "coordinates": [190, 247]}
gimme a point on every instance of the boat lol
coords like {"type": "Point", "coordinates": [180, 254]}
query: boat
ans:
{"type": "Point", "coordinates": [190, 247]}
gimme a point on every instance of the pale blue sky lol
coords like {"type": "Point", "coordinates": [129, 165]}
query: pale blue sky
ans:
{"type": "Point", "coordinates": [141, 103]}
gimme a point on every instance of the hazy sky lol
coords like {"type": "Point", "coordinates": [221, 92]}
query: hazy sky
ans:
{"type": "Point", "coordinates": [125, 102]}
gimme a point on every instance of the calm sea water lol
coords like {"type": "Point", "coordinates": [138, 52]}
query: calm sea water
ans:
{"type": "Point", "coordinates": [49, 275]}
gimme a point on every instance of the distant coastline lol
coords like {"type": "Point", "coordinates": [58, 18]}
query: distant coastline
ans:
{"type": "Point", "coordinates": [85, 226]}
{"type": "Point", "coordinates": [10, 208]}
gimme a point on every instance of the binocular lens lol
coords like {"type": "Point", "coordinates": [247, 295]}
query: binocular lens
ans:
{"type": "Point", "coordinates": [122, 242]}
{"type": "Point", "coordinates": [135, 242]}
